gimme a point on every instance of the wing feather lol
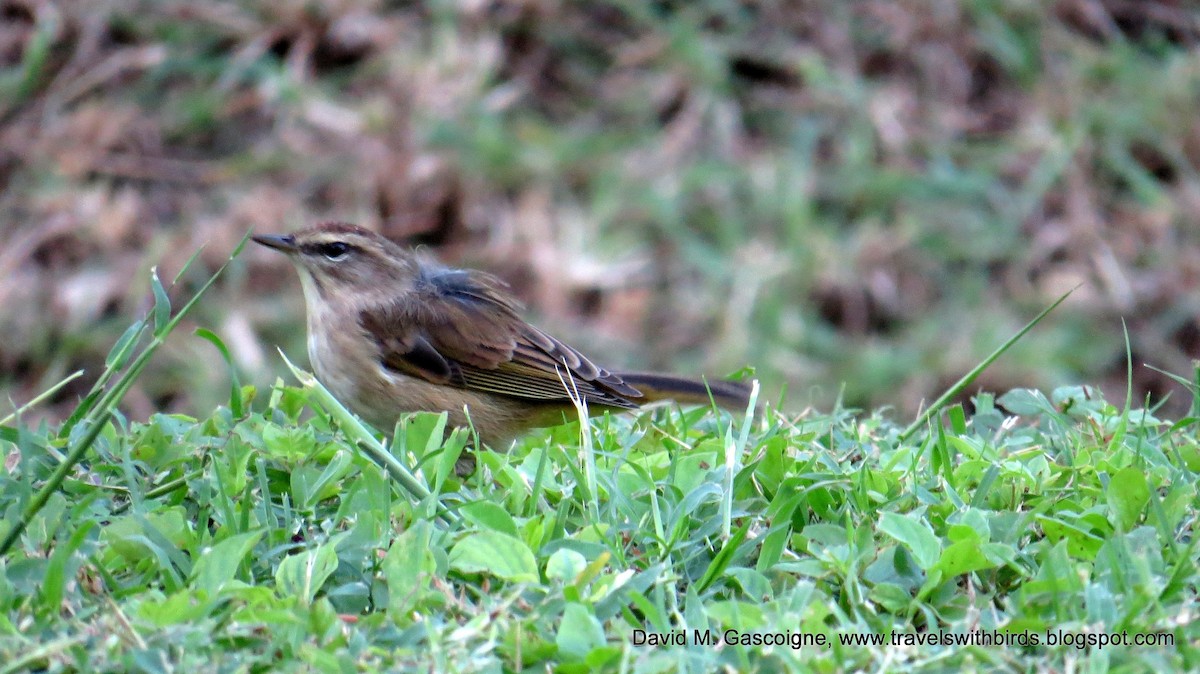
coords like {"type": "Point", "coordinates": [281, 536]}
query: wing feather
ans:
{"type": "Point", "coordinates": [462, 328]}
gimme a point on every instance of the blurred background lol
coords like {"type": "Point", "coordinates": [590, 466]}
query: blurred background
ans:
{"type": "Point", "coordinates": [859, 199]}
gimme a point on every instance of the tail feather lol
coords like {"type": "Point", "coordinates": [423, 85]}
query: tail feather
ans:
{"type": "Point", "coordinates": [732, 395]}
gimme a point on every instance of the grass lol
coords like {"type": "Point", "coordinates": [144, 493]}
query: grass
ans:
{"type": "Point", "coordinates": [261, 537]}
{"type": "Point", "coordinates": [861, 200]}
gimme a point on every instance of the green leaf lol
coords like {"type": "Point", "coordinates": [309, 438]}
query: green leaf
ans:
{"type": "Point", "coordinates": [312, 485]}
{"type": "Point", "coordinates": [915, 535]}
{"type": "Point", "coordinates": [290, 444]}
{"type": "Point", "coordinates": [1128, 493]}
{"type": "Point", "coordinates": [180, 608]}
{"type": "Point", "coordinates": [235, 387]}
{"type": "Point", "coordinates": [421, 433]}
{"type": "Point", "coordinates": [721, 560]}
{"type": "Point", "coordinates": [408, 567]}
{"type": "Point", "coordinates": [127, 536]}
{"type": "Point", "coordinates": [741, 615]}
{"type": "Point", "coordinates": [579, 634]}
{"type": "Point", "coordinates": [119, 355]}
{"type": "Point", "coordinates": [565, 565]}
{"type": "Point", "coordinates": [1025, 402]}
{"type": "Point", "coordinates": [218, 564]}
{"type": "Point", "coordinates": [892, 597]}
{"type": "Point", "coordinates": [451, 445]}
{"type": "Point", "coordinates": [62, 567]}
{"type": "Point", "coordinates": [963, 557]}
{"type": "Point", "coordinates": [162, 303]}
{"type": "Point", "coordinates": [497, 554]}
{"type": "Point", "coordinates": [303, 574]}
{"type": "Point", "coordinates": [773, 545]}
{"type": "Point", "coordinates": [490, 515]}
{"type": "Point", "coordinates": [1080, 542]}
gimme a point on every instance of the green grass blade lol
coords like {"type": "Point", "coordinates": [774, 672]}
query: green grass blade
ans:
{"type": "Point", "coordinates": [365, 440]}
{"type": "Point", "coordinates": [734, 452]}
{"type": "Point", "coordinates": [969, 377]}
{"type": "Point", "coordinates": [56, 478]}
{"type": "Point", "coordinates": [99, 415]}
{"type": "Point", "coordinates": [235, 392]}
{"type": "Point", "coordinates": [42, 397]}
{"type": "Point", "coordinates": [162, 303]}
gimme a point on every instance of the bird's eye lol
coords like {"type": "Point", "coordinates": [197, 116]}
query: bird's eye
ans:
{"type": "Point", "coordinates": [334, 250]}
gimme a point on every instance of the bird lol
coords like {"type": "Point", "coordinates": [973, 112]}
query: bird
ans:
{"type": "Point", "coordinates": [393, 331]}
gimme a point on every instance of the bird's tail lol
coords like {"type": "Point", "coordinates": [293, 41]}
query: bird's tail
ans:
{"type": "Point", "coordinates": [732, 395]}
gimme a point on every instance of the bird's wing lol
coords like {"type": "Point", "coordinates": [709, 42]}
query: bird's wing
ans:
{"type": "Point", "coordinates": [461, 328]}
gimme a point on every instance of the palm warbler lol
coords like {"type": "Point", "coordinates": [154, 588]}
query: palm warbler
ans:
{"type": "Point", "coordinates": [391, 332]}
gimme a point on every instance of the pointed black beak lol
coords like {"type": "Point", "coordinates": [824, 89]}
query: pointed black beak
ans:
{"type": "Point", "coordinates": [286, 244]}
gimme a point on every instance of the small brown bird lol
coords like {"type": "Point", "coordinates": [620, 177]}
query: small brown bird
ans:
{"type": "Point", "coordinates": [391, 332]}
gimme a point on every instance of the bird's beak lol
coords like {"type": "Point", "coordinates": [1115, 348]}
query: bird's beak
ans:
{"type": "Point", "coordinates": [287, 244]}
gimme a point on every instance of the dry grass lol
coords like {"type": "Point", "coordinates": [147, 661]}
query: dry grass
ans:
{"type": "Point", "coordinates": [872, 193]}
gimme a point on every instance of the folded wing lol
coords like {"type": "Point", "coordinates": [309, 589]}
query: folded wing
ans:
{"type": "Point", "coordinates": [462, 328]}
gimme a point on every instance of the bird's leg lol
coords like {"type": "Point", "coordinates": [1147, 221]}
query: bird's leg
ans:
{"type": "Point", "coordinates": [465, 465]}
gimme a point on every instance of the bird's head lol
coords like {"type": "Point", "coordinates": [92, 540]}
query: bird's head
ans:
{"type": "Point", "coordinates": [338, 260]}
